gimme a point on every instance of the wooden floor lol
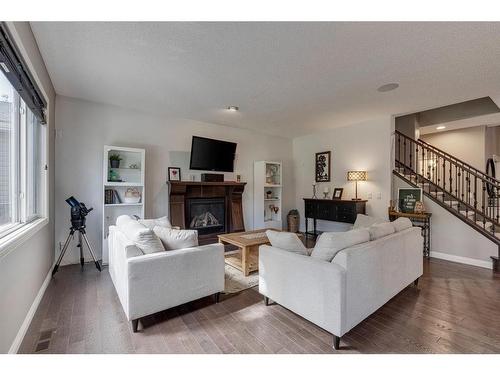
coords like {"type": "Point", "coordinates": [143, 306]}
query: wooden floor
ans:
{"type": "Point", "coordinates": [455, 310]}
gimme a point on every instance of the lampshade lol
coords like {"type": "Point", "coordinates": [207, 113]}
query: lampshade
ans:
{"type": "Point", "coordinates": [356, 176]}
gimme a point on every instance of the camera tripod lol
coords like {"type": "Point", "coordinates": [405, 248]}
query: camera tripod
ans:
{"type": "Point", "coordinates": [81, 234]}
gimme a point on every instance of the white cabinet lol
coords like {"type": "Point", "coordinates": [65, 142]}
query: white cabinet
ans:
{"type": "Point", "coordinates": [123, 187]}
{"type": "Point", "coordinates": [267, 194]}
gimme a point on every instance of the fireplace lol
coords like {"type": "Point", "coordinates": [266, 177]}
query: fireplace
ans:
{"type": "Point", "coordinates": [206, 215]}
{"type": "Point", "coordinates": [211, 208]}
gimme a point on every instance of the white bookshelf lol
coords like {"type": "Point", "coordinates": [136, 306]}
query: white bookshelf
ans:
{"type": "Point", "coordinates": [267, 193]}
{"type": "Point", "coordinates": [129, 177]}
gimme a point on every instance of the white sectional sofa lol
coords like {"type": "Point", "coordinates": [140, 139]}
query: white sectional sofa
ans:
{"type": "Point", "coordinates": [338, 295]}
{"type": "Point", "coordinates": [149, 283]}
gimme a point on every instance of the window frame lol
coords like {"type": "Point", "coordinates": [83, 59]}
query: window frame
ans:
{"type": "Point", "coordinates": [19, 233]}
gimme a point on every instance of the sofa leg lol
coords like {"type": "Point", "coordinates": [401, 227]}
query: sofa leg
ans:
{"type": "Point", "coordinates": [415, 283]}
{"type": "Point", "coordinates": [135, 325]}
{"type": "Point", "coordinates": [217, 297]}
{"type": "Point", "coordinates": [336, 342]}
{"type": "Point", "coordinates": [266, 301]}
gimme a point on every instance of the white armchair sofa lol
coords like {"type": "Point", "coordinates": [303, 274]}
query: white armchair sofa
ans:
{"type": "Point", "coordinates": [150, 283]}
{"type": "Point", "coordinates": [338, 295]}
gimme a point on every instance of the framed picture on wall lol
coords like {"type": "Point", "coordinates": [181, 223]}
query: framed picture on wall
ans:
{"type": "Point", "coordinates": [174, 174]}
{"type": "Point", "coordinates": [322, 163]}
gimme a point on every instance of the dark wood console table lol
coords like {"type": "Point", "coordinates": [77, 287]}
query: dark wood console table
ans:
{"type": "Point", "coordinates": [422, 220]}
{"type": "Point", "coordinates": [344, 211]}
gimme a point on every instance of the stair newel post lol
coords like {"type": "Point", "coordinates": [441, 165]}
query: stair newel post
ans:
{"type": "Point", "coordinates": [416, 160]}
{"type": "Point", "coordinates": [399, 149]}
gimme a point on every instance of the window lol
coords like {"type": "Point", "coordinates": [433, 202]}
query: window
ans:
{"type": "Point", "coordinates": [22, 161]}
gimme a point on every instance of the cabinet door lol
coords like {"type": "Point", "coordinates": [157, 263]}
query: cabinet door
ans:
{"type": "Point", "coordinates": [310, 208]}
{"type": "Point", "coordinates": [326, 211]}
{"type": "Point", "coordinates": [346, 213]}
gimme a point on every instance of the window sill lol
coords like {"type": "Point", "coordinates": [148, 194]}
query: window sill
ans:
{"type": "Point", "coordinates": [18, 237]}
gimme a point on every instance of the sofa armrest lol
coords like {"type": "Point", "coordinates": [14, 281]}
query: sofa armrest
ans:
{"type": "Point", "coordinates": [162, 280]}
{"type": "Point", "coordinates": [312, 288]}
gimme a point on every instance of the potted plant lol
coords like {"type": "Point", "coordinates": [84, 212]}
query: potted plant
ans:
{"type": "Point", "coordinates": [114, 160]}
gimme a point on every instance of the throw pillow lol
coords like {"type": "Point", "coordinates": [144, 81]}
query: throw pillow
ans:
{"type": "Point", "coordinates": [380, 230]}
{"type": "Point", "coordinates": [144, 238]}
{"type": "Point", "coordinates": [365, 221]}
{"type": "Point", "coordinates": [160, 222]}
{"type": "Point", "coordinates": [402, 223]}
{"type": "Point", "coordinates": [286, 241]}
{"type": "Point", "coordinates": [173, 239]}
{"type": "Point", "coordinates": [329, 244]}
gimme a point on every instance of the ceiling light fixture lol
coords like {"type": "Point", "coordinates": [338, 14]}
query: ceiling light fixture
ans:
{"type": "Point", "coordinates": [388, 87]}
{"type": "Point", "coordinates": [441, 127]}
{"type": "Point", "coordinates": [233, 108]}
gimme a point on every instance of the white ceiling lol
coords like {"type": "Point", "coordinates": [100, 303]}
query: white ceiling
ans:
{"type": "Point", "coordinates": [287, 78]}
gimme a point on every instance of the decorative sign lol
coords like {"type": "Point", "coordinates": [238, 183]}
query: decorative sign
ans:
{"type": "Point", "coordinates": [408, 197]}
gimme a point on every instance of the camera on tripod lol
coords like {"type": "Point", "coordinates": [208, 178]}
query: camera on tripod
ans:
{"type": "Point", "coordinates": [78, 213]}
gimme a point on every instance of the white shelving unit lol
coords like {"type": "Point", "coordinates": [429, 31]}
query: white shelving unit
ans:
{"type": "Point", "coordinates": [267, 194]}
{"type": "Point", "coordinates": [129, 178]}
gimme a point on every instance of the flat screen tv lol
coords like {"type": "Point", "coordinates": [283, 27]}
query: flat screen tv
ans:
{"type": "Point", "coordinates": [212, 155]}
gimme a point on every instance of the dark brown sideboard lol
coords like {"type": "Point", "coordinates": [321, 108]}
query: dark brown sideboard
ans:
{"type": "Point", "coordinates": [344, 211]}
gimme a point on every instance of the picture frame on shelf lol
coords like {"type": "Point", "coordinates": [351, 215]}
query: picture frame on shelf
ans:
{"type": "Point", "coordinates": [322, 166]}
{"type": "Point", "coordinates": [337, 193]}
{"type": "Point", "coordinates": [174, 174]}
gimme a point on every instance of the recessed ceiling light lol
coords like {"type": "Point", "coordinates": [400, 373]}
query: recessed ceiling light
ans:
{"type": "Point", "coordinates": [233, 108]}
{"type": "Point", "coordinates": [441, 127]}
{"type": "Point", "coordinates": [388, 87]}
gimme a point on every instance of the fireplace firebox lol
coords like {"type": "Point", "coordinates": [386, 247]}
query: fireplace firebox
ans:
{"type": "Point", "coordinates": [206, 215]}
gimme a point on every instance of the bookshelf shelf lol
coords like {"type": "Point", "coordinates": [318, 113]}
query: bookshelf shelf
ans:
{"type": "Point", "coordinates": [114, 191]}
{"type": "Point", "coordinates": [268, 192]}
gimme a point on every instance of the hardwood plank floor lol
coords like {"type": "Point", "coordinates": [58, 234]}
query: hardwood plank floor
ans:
{"type": "Point", "coordinates": [454, 310]}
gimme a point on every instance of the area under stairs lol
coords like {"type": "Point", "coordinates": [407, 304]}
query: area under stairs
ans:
{"type": "Point", "coordinates": [464, 191]}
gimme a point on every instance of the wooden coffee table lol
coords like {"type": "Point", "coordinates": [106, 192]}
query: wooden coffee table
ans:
{"type": "Point", "coordinates": [247, 259]}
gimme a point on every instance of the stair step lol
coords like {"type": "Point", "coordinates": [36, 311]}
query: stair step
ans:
{"type": "Point", "coordinates": [452, 203]}
{"type": "Point", "coordinates": [486, 225]}
{"type": "Point", "coordinates": [437, 193]}
{"type": "Point", "coordinates": [467, 213]}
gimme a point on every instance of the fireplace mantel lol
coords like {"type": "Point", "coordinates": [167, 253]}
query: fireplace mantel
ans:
{"type": "Point", "coordinates": [181, 191]}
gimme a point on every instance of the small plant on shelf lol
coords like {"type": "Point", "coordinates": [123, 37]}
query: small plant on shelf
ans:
{"type": "Point", "coordinates": [114, 160]}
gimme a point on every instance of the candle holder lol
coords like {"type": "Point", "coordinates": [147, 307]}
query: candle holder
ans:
{"type": "Point", "coordinates": [325, 194]}
{"type": "Point", "coordinates": [314, 191]}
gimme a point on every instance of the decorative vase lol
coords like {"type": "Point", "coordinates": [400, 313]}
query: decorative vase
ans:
{"type": "Point", "coordinates": [293, 220]}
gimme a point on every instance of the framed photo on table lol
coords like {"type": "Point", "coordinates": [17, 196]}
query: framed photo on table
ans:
{"type": "Point", "coordinates": [174, 174]}
{"type": "Point", "coordinates": [408, 198]}
{"type": "Point", "coordinates": [337, 193]}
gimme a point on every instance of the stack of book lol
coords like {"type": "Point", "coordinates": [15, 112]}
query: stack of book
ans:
{"type": "Point", "coordinates": [111, 196]}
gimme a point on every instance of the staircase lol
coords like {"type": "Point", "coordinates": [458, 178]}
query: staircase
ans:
{"type": "Point", "coordinates": [466, 192]}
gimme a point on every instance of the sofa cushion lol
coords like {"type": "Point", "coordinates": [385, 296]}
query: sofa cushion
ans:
{"type": "Point", "coordinates": [365, 221]}
{"type": "Point", "coordinates": [286, 241]}
{"type": "Point", "coordinates": [151, 223]}
{"type": "Point", "coordinates": [402, 223]}
{"type": "Point", "coordinates": [173, 239]}
{"type": "Point", "coordinates": [143, 237]}
{"type": "Point", "coordinates": [380, 230]}
{"type": "Point", "coordinates": [329, 244]}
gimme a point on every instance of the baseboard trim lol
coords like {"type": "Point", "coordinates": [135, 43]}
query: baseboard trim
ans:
{"type": "Point", "coordinates": [16, 344]}
{"type": "Point", "coordinates": [463, 260]}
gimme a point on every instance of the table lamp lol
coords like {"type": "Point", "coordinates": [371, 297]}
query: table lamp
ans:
{"type": "Point", "coordinates": [356, 176]}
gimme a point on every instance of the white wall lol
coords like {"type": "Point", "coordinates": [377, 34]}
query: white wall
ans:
{"type": "Point", "coordinates": [364, 146]}
{"type": "Point", "coordinates": [467, 144]}
{"type": "Point", "coordinates": [87, 127]}
{"type": "Point", "coordinates": [24, 269]}
{"type": "Point", "coordinates": [451, 236]}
